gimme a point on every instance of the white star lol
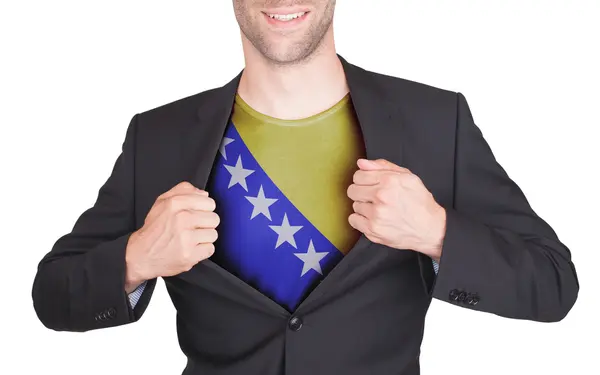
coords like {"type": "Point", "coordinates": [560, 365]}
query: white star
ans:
{"type": "Point", "coordinates": [311, 259]}
{"type": "Point", "coordinates": [224, 143]}
{"type": "Point", "coordinates": [238, 174]}
{"type": "Point", "coordinates": [261, 204]}
{"type": "Point", "coordinates": [286, 232]}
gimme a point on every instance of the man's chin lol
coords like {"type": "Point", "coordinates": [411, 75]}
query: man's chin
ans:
{"type": "Point", "coordinates": [286, 57]}
{"type": "Point", "coordinates": [285, 61]}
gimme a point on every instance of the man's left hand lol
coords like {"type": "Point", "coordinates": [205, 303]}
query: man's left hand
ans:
{"type": "Point", "coordinates": [393, 207]}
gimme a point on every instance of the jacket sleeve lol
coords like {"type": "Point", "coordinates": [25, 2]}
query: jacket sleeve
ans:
{"type": "Point", "coordinates": [498, 256]}
{"type": "Point", "coordinates": [80, 283]}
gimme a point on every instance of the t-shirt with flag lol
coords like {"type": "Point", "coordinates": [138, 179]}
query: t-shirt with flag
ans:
{"type": "Point", "coordinates": [280, 191]}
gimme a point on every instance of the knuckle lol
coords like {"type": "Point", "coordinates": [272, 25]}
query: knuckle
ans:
{"type": "Point", "coordinates": [187, 239]}
{"type": "Point", "coordinates": [182, 219]}
{"type": "Point", "coordinates": [173, 203]}
{"type": "Point", "coordinates": [191, 256]}
{"type": "Point", "coordinates": [182, 238]}
{"type": "Point", "coordinates": [185, 185]}
{"type": "Point", "coordinates": [375, 239]}
{"type": "Point", "coordinates": [411, 179]}
{"type": "Point", "coordinates": [371, 227]}
{"type": "Point", "coordinates": [392, 179]}
{"type": "Point", "coordinates": [185, 256]}
{"type": "Point", "coordinates": [382, 195]}
{"type": "Point", "coordinates": [387, 179]}
{"type": "Point", "coordinates": [377, 228]}
{"type": "Point", "coordinates": [378, 211]}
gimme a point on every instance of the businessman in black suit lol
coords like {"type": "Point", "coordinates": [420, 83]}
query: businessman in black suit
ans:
{"type": "Point", "coordinates": [416, 188]}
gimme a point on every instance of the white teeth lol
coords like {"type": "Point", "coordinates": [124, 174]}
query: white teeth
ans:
{"type": "Point", "coordinates": [286, 17]}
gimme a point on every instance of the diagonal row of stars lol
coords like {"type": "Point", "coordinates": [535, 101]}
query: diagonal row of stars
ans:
{"type": "Point", "coordinates": [261, 205]}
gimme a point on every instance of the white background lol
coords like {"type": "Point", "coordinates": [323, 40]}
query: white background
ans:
{"type": "Point", "coordinates": [73, 73]}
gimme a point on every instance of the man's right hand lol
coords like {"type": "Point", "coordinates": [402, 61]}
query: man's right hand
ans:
{"type": "Point", "coordinates": [178, 232]}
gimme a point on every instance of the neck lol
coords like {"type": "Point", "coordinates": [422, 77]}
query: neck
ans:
{"type": "Point", "coordinates": [293, 91]}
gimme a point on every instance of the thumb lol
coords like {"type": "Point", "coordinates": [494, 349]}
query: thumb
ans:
{"type": "Point", "coordinates": [378, 164]}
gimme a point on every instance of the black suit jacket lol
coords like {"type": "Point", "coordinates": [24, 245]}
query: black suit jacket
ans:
{"type": "Point", "coordinates": [367, 316]}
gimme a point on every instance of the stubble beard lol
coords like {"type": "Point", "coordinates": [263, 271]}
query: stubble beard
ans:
{"type": "Point", "coordinates": [295, 53]}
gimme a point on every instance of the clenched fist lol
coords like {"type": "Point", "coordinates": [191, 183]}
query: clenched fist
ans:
{"type": "Point", "coordinates": [178, 232]}
{"type": "Point", "coordinates": [393, 207]}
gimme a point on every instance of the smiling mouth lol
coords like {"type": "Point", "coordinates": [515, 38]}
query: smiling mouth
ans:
{"type": "Point", "coordinates": [285, 20]}
{"type": "Point", "coordinates": [286, 17]}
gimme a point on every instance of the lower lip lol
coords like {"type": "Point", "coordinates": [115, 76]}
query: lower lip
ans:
{"type": "Point", "coordinates": [290, 23]}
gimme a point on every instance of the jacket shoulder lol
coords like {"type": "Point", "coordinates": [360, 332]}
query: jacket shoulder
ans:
{"type": "Point", "coordinates": [413, 92]}
{"type": "Point", "coordinates": [181, 110]}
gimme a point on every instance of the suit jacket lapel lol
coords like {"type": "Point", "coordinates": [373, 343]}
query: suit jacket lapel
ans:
{"type": "Point", "coordinates": [377, 114]}
{"type": "Point", "coordinates": [201, 143]}
{"type": "Point", "coordinates": [204, 138]}
{"type": "Point", "coordinates": [381, 127]}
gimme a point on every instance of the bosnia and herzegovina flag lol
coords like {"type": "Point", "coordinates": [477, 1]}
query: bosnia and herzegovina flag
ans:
{"type": "Point", "coordinates": [272, 235]}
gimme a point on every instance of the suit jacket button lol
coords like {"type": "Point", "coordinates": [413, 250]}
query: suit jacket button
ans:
{"type": "Point", "coordinates": [295, 324]}
{"type": "Point", "coordinates": [462, 296]}
{"type": "Point", "coordinates": [111, 313]}
{"type": "Point", "coordinates": [453, 295]}
{"type": "Point", "coordinates": [475, 300]}
{"type": "Point", "coordinates": [469, 299]}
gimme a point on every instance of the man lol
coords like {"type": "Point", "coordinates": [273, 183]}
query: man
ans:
{"type": "Point", "coordinates": [299, 213]}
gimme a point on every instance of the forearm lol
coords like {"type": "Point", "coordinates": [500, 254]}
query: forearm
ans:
{"type": "Point", "coordinates": [84, 291]}
{"type": "Point", "coordinates": [515, 276]}
{"type": "Point", "coordinates": [498, 255]}
{"type": "Point", "coordinates": [81, 283]}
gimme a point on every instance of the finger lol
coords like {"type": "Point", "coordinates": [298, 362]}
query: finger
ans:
{"type": "Point", "coordinates": [203, 235]}
{"type": "Point", "coordinates": [191, 202]}
{"type": "Point", "coordinates": [206, 219]}
{"type": "Point", "coordinates": [361, 193]}
{"type": "Point", "coordinates": [364, 209]}
{"type": "Point", "coordinates": [203, 251]}
{"type": "Point", "coordinates": [188, 219]}
{"type": "Point", "coordinates": [362, 177]}
{"type": "Point", "coordinates": [379, 164]}
{"type": "Point", "coordinates": [171, 195]}
{"type": "Point", "coordinates": [182, 188]}
{"type": "Point", "coordinates": [360, 223]}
